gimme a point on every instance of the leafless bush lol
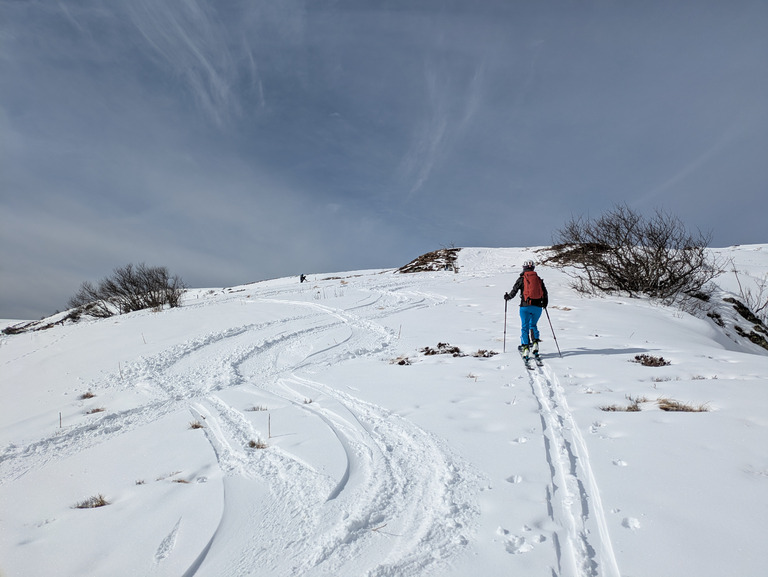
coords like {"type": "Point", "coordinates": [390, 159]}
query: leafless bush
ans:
{"type": "Point", "coordinates": [624, 252]}
{"type": "Point", "coordinates": [754, 298]}
{"type": "Point", "coordinates": [129, 288]}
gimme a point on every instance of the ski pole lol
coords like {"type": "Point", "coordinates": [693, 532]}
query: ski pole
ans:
{"type": "Point", "coordinates": [553, 333]}
{"type": "Point", "coordinates": [505, 326]}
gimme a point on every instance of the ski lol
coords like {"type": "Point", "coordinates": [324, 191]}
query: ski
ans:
{"type": "Point", "coordinates": [526, 360]}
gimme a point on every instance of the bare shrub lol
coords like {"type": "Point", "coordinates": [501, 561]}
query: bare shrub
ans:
{"type": "Point", "coordinates": [623, 252]}
{"type": "Point", "coordinates": [257, 444]}
{"type": "Point", "coordinates": [754, 298]}
{"type": "Point", "coordinates": [196, 425]}
{"type": "Point", "coordinates": [129, 288]}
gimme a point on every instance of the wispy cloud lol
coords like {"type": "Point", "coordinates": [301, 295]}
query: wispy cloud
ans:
{"type": "Point", "coordinates": [244, 139]}
{"type": "Point", "coordinates": [190, 41]}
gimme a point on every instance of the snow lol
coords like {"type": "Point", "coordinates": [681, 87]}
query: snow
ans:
{"type": "Point", "coordinates": [449, 466]}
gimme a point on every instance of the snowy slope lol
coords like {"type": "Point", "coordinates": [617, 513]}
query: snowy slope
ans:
{"type": "Point", "coordinates": [441, 465]}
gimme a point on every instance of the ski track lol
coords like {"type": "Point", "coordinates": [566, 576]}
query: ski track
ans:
{"type": "Point", "coordinates": [582, 542]}
{"type": "Point", "coordinates": [402, 485]}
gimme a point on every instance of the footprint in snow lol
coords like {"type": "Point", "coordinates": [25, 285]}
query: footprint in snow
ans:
{"type": "Point", "coordinates": [630, 523]}
{"type": "Point", "coordinates": [596, 426]}
{"type": "Point", "coordinates": [167, 545]}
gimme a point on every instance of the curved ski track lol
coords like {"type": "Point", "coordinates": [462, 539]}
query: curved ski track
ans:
{"type": "Point", "coordinates": [402, 486]}
{"type": "Point", "coordinates": [582, 542]}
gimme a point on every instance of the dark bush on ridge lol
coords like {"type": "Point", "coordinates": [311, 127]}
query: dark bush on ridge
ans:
{"type": "Point", "coordinates": [129, 288]}
{"type": "Point", "coordinates": [624, 252]}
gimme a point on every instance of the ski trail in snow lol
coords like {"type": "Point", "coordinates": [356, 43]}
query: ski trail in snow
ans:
{"type": "Point", "coordinates": [166, 546]}
{"type": "Point", "coordinates": [582, 544]}
{"type": "Point", "coordinates": [403, 505]}
{"type": "Point", "coordinates": [401, 484]}
{"type": "Point", "coordinates": [399, 478]}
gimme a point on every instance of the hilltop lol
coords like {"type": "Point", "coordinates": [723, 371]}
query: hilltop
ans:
{"type": "Point", "coordinates": [282, 428]}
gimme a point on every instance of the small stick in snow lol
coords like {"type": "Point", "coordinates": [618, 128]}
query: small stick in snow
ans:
{"type": "Point", "coordinates": [379, 527]}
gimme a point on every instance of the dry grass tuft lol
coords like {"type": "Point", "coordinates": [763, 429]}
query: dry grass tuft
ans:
{"type": "Point", "coordinates": [674, 406]}
{"type": "Point", "coordinates": [92, 502]}
{"type": "Point", "coordinates": [665, 404]}
{"type": "Point", "coordinates": [632, 407]}
{"type": "Point", "coordinates": [257, 444]}
{"type": "Point", "coordinates": [196, 425]}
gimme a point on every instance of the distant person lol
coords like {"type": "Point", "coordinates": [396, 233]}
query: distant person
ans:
{"type": "Point", "coordinates": [533, 299]}
{"type": "Point", "coordinates": [302, 278]}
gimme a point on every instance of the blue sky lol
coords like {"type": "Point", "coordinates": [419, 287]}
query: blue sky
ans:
{"type": "Point", "coordinates": [234, 141]}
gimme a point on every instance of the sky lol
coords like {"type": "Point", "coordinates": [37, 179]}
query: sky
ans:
{"type": "Point", "coordinates": [241, 140]}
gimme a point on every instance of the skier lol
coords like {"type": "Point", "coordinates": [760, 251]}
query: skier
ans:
{"type": "Point", "coordinates": [533, 299]}
{"type": "Point", "coordinates": [302, 278]}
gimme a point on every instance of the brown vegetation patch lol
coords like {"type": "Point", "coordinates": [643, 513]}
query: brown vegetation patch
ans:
{"type": "Point", "coordinates": [92, 502]}
{"type": "Point", "coordinates": [442, 349]}
{"type": "Point", "coordinates": [443, 259]}
{"type": "Point", "coordinates": [651, 361]}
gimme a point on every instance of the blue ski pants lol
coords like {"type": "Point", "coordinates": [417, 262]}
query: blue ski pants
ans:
{"type": "Point", "coordinates": [529, 317]}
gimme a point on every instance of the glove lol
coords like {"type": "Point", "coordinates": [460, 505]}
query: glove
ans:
{"type": "Point", "coordinates": [507, 296]}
